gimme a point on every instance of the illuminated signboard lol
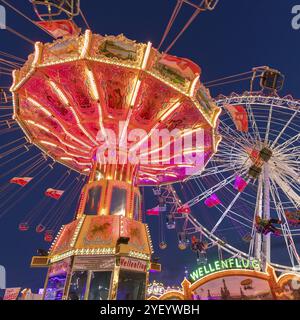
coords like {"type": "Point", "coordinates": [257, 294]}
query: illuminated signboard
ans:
{"type": "Point", "coordinates": [220, 265]}
{"type": "Point", "coordinates": [155, 289]}
{"type": "Point", "coordinates": [133, 264]}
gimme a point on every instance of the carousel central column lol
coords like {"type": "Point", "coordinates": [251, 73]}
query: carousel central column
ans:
{"type": "Point", "coordinates": [105, 252]}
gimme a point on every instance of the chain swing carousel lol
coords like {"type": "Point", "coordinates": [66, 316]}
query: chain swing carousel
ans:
{"type": "Point", "coordinates": [79, 100]}
{"type": "Point", "coordinates": [69, 98]}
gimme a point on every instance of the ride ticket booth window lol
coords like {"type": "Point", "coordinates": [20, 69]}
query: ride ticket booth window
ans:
{"type": "Point", "coordinates": [131, 285]}
{"type": "Point", "coordinates": [99, 285]}
{"type": "Point", "coordinates": [78, 285]}
{"type": "Point", "coordinates": [93, 200]}
{"type": "Point", "coordinates": [118, 201]}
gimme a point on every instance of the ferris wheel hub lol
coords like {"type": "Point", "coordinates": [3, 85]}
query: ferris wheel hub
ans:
{"type": "Point", "coordinates": [261, 158]}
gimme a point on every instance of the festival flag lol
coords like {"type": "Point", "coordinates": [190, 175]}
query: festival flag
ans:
{"type": "Point", "coordinates": [185, 67]}
{"type": "Point", "coordinates": [212, 201]}
{"type": "Point", "coordinates": [21, 181]}
{"type": "Point", "coordinates": [54, 193]}
{"type": "Point", "coordinates": [239, 116]}
{"type": "Point", "coordinates": [240, 184]}
{"type": "Point", "coordinates": [11, 293]}
{"type": "Point", "coordinates": [153, 212]}
{"type": "Point", "coordinates": [60, 28]}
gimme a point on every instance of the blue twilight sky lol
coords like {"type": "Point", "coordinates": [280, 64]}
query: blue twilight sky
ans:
{"type": "Point", "coordinates": [235, 37]}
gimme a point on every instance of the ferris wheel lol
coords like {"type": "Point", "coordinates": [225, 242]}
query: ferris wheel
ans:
{"type": "Point", "coordinates": [246, 202]}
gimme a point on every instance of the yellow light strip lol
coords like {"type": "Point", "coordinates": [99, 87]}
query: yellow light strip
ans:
{"type": "Point", "coordinates": [78, 162]}
{"type": "Point", "coordinates": [101, 122]}
{"type": "Point", "coordinates": [49, 131]}
{"type": "Point", "coordinates": [49, 143]}
{"type": "Point", "coordinates": [216, 116]}
{"type": "Point", "coordinates": [172, 175]}
{"type": "Point", "coordinates": [135, 93]}
{"type": "Point", "coordinates": [104, 251]}
{"type": "Point", "coordinates": [66, 159]}
{"type": "Point", "coordinates": [37, 54]}
{"type": "Point", "coordinates": [65, 100]}
{"type": "Point", "coordinates": [95, 96]}
{"type": "Point", "coordinates": [185, 152]}
{"type": "Point", "coordinates": [146, 55]}
{"type": "Point", "coordinates": [36, 60]}
{"type": "Point", "coordinates": [147, 174]}
{"type": "Point", "coordinates": [162, 118]}
{"type": "Point", "coordinates": [92, 84]}
{"type": "Point", "coordinates": [144, 139]}
{"type": "Point", "coordinates": [36, 104]}
{"type": "Point", "coordinates": [59, 93]}
{"type": "Point", "coordinates": [125, 128]}
{"type": "Point", "coordinates": [167, 168]}
{"type": "Point", "coordinates": [86, 45]}
{"type": "Point", "coordinates": [151, 179]}
{"type": "Point", "coordinates": [14, 76]}
{"type": "Point", "coordinates": [170, 111]}
{"type": "Point", "coordinates": [193, 86]}
{"type": "Point", "coordinates": [186, 133]}
{"type": "Point", "coordinates": [129, 114]}
{"type": "Point", "coordinates": [185, 165]}
{"type": "Point", "coordinates": [39, 126]}
{"type": "Point", "coordinates": [63, 128]}
{"type": "Point", "coordinates": [65, 151]}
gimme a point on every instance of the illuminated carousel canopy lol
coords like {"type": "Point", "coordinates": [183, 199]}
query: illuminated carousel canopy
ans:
{"type": "Point", "coordinates": [76, 89]}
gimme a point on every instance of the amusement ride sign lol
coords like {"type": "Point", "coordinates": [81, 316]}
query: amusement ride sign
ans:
{"type": "Point", "coordinates": [221, 265]}
{"type": "Point", "coordinates": [133, 265]}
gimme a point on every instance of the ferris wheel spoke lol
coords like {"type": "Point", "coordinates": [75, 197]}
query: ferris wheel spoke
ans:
{"type": "Point", "coordinates": [288, 168]}
{"type": "Point", "coordinates": [253, 124]}
{"type": "Point", "coordinates": [291, 183]}
{"type": "Point", "coordinates": [230, 150]}
{"type": "Point", "coordinates": [285, 227]}
{"type": "Point", "coordinates": [218, 170]}
{"type": "Point", "coordinates": [292, 152]}
{"type": "Point", "coordinates": [212, 190]}
{"type": "Point", "coordinates": [231, 212]}
{"type": "Point", "coordinates": [292, 177]}
{"type": "Point", "coordinates": [284, 128]}
{"type": "Point", "coordinates": [226, 212]}
{"type": "Point", "coordinates": [227, 129]}
{"type": "Point", "coordinates": [288, 190]}
{"type": "Point", "coordinates": [269, 124]}
{"type": "Point", "coordinates": [232, 134]}
{"type": "Point", "coordinates": [283, 147]}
